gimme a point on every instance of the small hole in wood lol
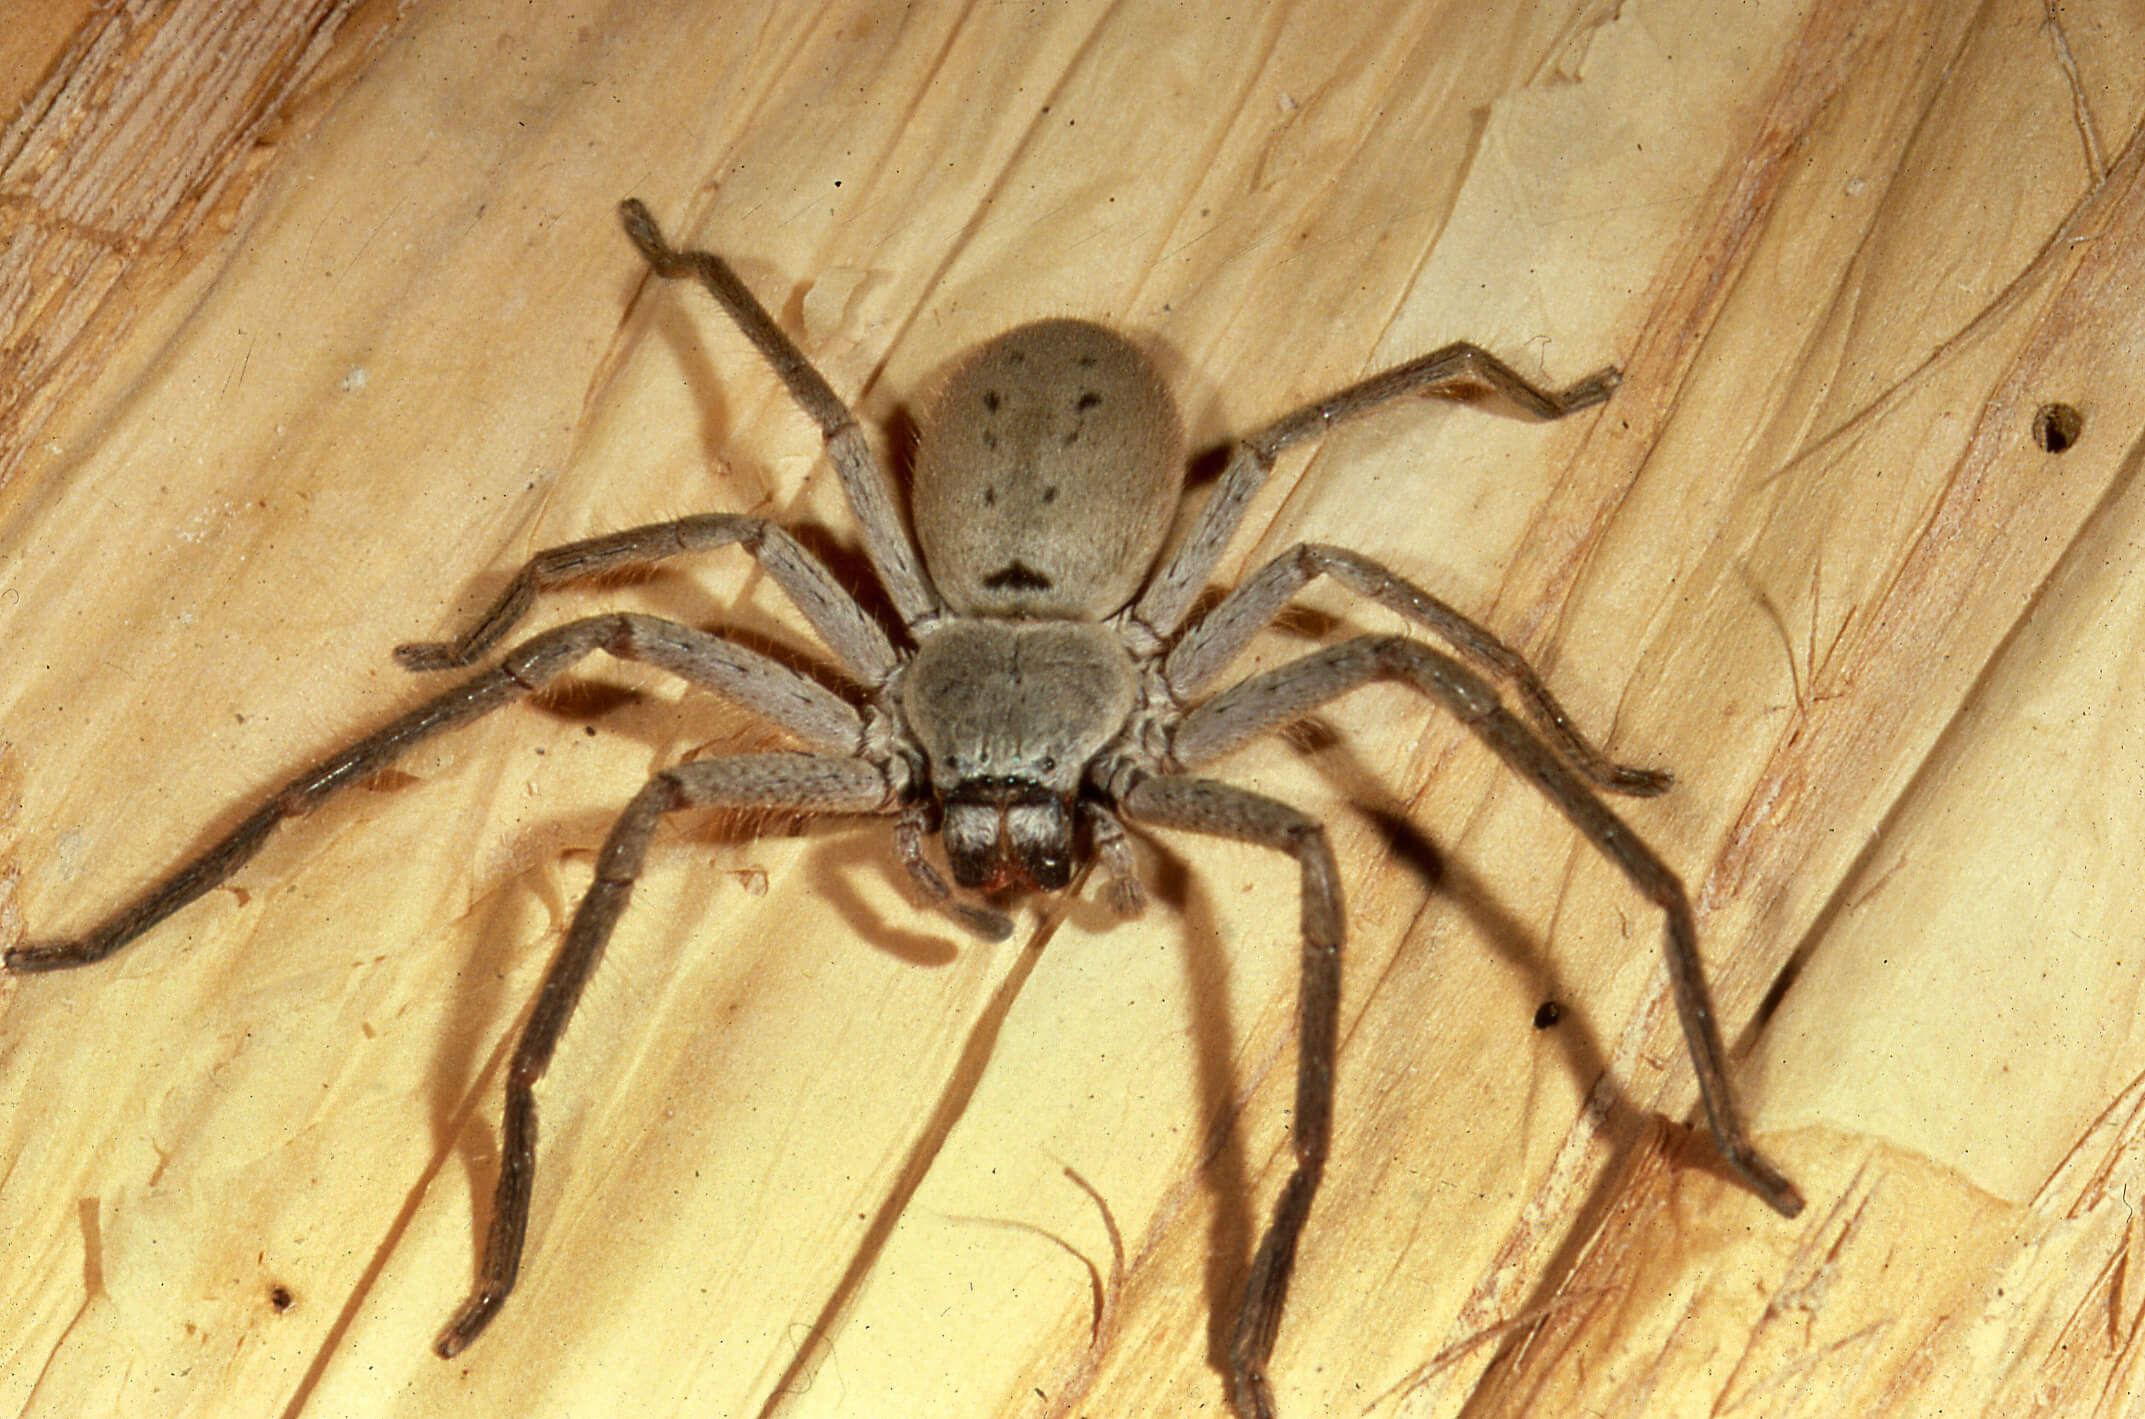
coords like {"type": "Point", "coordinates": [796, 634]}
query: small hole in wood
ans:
{"type": "Point", "coordinates": [2057, 426]}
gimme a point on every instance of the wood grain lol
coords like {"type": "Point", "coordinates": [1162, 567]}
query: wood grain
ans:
{"type": "Point", "coordinates": [809, 1152]}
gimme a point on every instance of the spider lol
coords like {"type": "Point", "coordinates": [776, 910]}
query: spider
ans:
{"type": "Point", "coordinates": [1048, 687]}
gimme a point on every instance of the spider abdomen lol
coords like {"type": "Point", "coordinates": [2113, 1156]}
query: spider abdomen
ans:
{"type": "Point", "coordinates": [1047, 470]}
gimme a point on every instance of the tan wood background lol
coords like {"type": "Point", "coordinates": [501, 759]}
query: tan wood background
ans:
{"type": "Point", "coordinates": [317, 320]}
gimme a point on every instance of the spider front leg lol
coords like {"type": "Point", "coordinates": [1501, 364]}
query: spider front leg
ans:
{"type": "Point", "coordinates": [1267, 701]}
{"type": "Point", "coordinates": [807, 782]}
{"type": "Point", "coordinates": [871, 495]}
{"type": "Point", "coordinates": [834, 613]}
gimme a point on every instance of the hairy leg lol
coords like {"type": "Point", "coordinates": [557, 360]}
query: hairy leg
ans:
{"type": "Point", "coordinates": [806, 708]}
{"type": "Point", "coordinates": [1266, 701]}
{"type": "Point", "coordinates": [871, 495]}
{"type": "Point", "coordinates": [1455, 371]}
{"type": "Point", "coordinates": [1223, 810]}
{"type": "Point", "coordinates": [806, 782]}
{"type": "Point", "coordinates": [852, 635]}
{"type": "Point", "coordinates": [1207, 649]}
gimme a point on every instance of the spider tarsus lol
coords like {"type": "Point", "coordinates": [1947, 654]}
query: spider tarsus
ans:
{"type": "Point", "coordinates": [468, 1323]}
{"type": "Point", "coordinates": [1590, 391]}
{"type": "Point", "coordinates": [428, 655]}
{"type": "Point", "coordinates": [645, 234]}
{"type": "Point", "coordinates": [1640, 783]}
{"type": "Point", "coordinates": [41, 956]}
{"type": "Point", "coordinates": [988, 924]}
{"type": "Point", "coordinates": [1767, 1181]}
{"type": "Point", "coordinates": [45, 956]}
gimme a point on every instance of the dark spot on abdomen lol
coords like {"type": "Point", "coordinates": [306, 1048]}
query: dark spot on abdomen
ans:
{"type": "Point", "coordinates": [1016, 576]}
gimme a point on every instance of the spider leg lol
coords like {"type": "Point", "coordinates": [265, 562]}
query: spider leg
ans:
{"type": "Point", "coordinates": [1454, 372]}
{"type": "Point", "coordinates": [1223, 810]}
{"type": "Point", "coordinates": [1208, 648]}
{"type": "Point", "coordinates": [910, 829]}
{"type": "Point", "coordinates": [1265, 701]}
{"type": "Point", "coordinates": [1114, 850]}
{"type": "Point", "coordinates": [809, 710]}
{"type": "Point", "coordinates": [854, 637]}
{"type": "Point", "coordinates": [886, 539]}
{"type": "Point", "coordinates": [809, 782]}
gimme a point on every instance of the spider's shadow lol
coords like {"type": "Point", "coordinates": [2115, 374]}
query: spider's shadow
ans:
{"type": "Point", "coordinates": [1516, 941]}
{"type": "Point", "coordinates": [838, 848]}
{"type": "Point", "coordinates": [1234, 1226]}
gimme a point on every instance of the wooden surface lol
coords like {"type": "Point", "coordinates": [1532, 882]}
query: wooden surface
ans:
{"type": "Point", "coordinates": [807, 1150]}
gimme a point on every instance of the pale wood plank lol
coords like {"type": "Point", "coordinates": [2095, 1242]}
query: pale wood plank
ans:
{"type": "Point", "coordinates": [1808, 558]}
